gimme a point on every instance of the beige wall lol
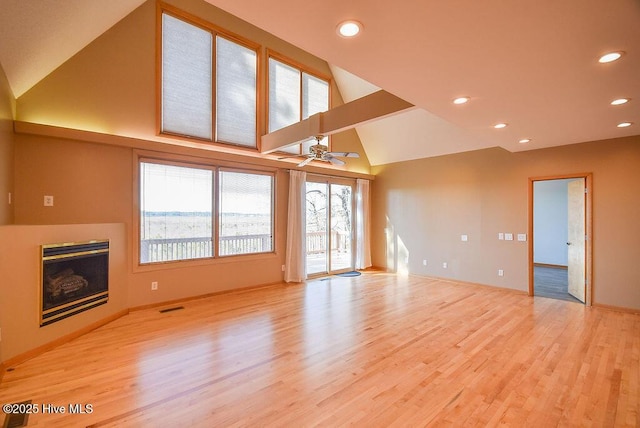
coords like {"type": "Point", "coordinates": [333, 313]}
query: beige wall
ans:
{"type": "Point", "coordinates": [20, 285]}
{"type": "Point", "coordinates": [7, 109]}
{"type": "Point", "coordinates": [90, 183]}
{"type": "Point", "coordinates": [426, 205]}
{"type": "Point", "coordinates": [108, 87]}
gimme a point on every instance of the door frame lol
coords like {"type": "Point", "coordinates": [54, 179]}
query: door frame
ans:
{"type": "Point", "coordinates": [588, 180]}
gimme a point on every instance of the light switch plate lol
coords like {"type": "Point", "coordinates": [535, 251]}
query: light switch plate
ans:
{"type": "Point", "coordinates": [522, 237]}
{"type": "Point", "coordinates": [48, 201]}
{"type": "Point", "coordinates": [501, 236]}
{"type": "Point", "coordinates": [464, 238]}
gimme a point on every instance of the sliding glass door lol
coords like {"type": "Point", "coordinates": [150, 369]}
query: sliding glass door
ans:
{"type": "Point", "coordinates": [317, 222]}
{"type": "Point", "coordinates": [340, 237]}
{"type": "Point", "coordinates": [329, 226]}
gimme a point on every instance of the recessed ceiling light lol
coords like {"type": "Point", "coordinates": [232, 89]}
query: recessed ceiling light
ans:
{"type": "Point", "coordinates": [610, 57]}
{"type": "Point", "coordinates": [624, 124]}
{"type": "Point", "coordinates": [620, 101]}
{"type": "Point", "coordinates": [461, 100]}
{"type": "Point", "coordinates": [349, 28]}
{"type": "Point", "coordinates": [525, 141]}
{"type": "Point", "coordinates": [500, 125]}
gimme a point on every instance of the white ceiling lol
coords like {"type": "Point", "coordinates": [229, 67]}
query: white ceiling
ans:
{"type": "Point", "coordinates": [531, 64]}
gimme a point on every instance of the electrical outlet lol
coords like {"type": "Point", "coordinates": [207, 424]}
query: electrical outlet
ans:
{"type": "Point", "coordinates": [464, 238]}
{"type": "Point", "coordinates": [444, 265]}
{"type": "Point", "coordinates": [500, 272]}
{"type": "Point", "coordinates": [154, 285]}
{"type": "Point", "coordinates": [48, 201]}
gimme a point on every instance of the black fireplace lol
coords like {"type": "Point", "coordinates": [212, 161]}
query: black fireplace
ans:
{"type": "Point", "coordinates": [75, 278]}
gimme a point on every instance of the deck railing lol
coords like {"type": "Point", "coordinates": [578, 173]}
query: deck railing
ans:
{"type": "Point", "coordinates": [317, 243]}
{"type": "Point", "coordinates": [163, 250]}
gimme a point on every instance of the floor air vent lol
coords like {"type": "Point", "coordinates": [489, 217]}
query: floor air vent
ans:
{"type": "Point", "coordinates": [176, 308]}
{"type": "Point", "coordinates": [16, 419]}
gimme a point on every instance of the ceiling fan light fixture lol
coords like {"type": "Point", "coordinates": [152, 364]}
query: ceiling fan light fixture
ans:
{"type": "Point", "coordinates": [461, 100]}
{"type": "Point", "coordinates": [610, 57]}
{"type": "Point", "coordinates": [349, 28]}
{"type": "Point", "coordinates": [620, 101]}
{"type": "Point", "coordinates": [624, 124]}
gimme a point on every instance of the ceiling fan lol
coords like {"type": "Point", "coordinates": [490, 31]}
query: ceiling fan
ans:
{"type": "Point", "coordinates": [321, 152]}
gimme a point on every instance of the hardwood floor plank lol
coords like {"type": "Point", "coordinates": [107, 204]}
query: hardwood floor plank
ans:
{"type": "Point", "coordinates": [375, 350]}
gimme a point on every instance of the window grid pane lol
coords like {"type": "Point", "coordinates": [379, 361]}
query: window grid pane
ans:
{"type": "Point", "coordinates": [176, 212]}
{"type": "Point", "coordinates": [186, 79]}
{"type": "Point", "coordinates": [284, 98]}
{"type": "Point", "coordinates": [245, 213]}
{"type": "Point", "coordinates": [235, 93]}
{"type": "Point", "coordinates": [315, 99]}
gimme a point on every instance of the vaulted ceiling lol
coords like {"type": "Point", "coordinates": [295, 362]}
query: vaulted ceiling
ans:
{"type": "Point", "coordinates": [532, 65]}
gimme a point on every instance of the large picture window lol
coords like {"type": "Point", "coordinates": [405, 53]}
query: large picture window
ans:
{"type": "Point", "coordinates": [178, 213]}
{"type": "Point", "coordinates": [176, 209]}
{"type": "Point", "coordinates": [294, 95]}
{"type": "Point", "coordinates": [246, 216]}
{"type": "Point", "coordinates": [195, 60]}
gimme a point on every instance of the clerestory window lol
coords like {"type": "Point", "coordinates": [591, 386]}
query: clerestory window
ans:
{"type": "Point", "coordinates": [208, 84]}
{"type": "Point", "coordinates": [294, 95]}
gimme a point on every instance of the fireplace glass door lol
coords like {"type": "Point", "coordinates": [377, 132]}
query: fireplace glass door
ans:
{"type": "Point", "coordinates": [75, 277]}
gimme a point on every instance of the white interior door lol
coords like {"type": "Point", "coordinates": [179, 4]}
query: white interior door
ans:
{"type": "Point", "coordinates": [576, 238]}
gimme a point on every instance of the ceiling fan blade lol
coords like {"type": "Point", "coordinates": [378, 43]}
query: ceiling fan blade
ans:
{"type": "Point", "coordinates": [345, 154]}
{"type": "Point", "coordinates": [334, 160]}
{"type": "Point", "coordinates": [306, 161]}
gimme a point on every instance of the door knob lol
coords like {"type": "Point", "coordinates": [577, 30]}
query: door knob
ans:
{"type": "Point", "coordinates": [568, 243]}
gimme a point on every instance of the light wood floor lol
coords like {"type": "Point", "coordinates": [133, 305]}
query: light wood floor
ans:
{"type": "Point", "coordinates": [375, 350]}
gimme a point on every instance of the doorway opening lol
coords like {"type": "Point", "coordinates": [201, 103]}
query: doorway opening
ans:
{"type": "Point", "coordinates": [329, 226]}
{"type": "Point", "coordinates": [560, 227]}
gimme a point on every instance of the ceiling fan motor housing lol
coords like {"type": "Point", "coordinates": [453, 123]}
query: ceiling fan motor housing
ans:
{"type": "Point", "coordinates": [318, 150]}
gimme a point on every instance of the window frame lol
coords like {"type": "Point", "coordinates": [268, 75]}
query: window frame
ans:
{"type": "Point", "coordinates": [218, 194]}
{"type": "Point", "coordinates": [216, 31]}
{"type": "Point", "coordinates": [139, 198]}
{"type": "Point", "coordinates": [215, 166]}
{"type": "Point", "coordinates": [303, 69]}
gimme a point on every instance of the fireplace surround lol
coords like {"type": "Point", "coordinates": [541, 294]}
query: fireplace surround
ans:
{"type": "Point", "coordinates": [74, 278]}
